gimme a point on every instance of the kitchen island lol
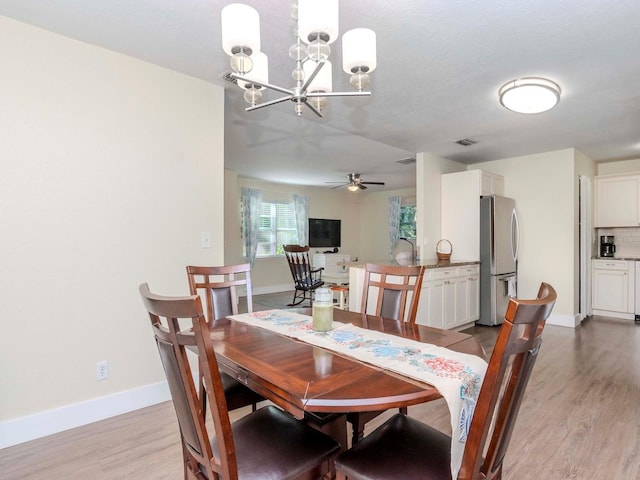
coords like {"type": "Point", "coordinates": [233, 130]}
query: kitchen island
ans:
{"type": "Point", "coordinates": [449, 296]}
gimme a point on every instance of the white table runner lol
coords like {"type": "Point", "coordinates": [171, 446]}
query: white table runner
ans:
{"type": "Point", "coordinates": [457, 376]}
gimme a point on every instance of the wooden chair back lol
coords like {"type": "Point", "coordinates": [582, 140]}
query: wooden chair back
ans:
{"type": "Point", "coordinates": [393, 293]}
{"type": "Point", "coordinates": [218, 286]}
{"type": "Point", "coordinates": [172, 339]}
{"type": "Point", "coordinates": [305, 278]}
{"type": "Point", "coordinates": [512, 360]}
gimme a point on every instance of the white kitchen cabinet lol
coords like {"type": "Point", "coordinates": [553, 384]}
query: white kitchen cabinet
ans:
{"type": "Point", "coordinates": [613, 288]}
{"type": "Point", "coordinates": [461, 307]}
{"type": "Point", "coordinates": [472, 275]}
{"type": "Point", "coordinates": [431, 304]}
{"type": "Point", "coordinates": [617, 201]}
{"type": "Point", "coordinates": [474, 297]}
{"type": "Point", "coordinates": [449, 297]}
{"type": "Point", "coordinates": [460, 209]}
{"type": "Point", "coordinates": [491, 183]}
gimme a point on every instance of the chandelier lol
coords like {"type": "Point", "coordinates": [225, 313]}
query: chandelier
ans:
{"type": "Point", "coordinates": [316, 28]}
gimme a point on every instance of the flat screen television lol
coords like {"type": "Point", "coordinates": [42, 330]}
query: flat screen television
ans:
{"type": "Point", "coordinates": [324, 232]}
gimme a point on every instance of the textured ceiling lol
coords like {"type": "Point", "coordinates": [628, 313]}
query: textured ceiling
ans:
{"type": "Point", "coordinates": [440, 64]}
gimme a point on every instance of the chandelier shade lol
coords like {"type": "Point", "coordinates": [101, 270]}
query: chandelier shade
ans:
{"type": "Point", "coordinates": [322, 81]}
{"type": "Point", "coordinates": [359, 50]}
{"type": "Point", "coordinates": [529, 95]}
{"type": "Point", "coordinates": [240, 29]}
{"type": "Point", "coordinates": [315, 27]}
{"type": "Point", "coordinates": [318, 17]}
{"type": "Point", "coordinates": [259, 72]}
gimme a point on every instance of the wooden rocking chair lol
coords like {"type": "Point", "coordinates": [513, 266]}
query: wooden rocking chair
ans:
{"type": "Point", "coordinates": [305, 278]}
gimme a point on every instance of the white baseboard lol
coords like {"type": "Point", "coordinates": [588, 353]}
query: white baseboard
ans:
{"type": "Point", "coordinates": [607, 313]}
{"type": "Point", "coordinates": [30, 427]}
{"type": "Point", "coordinates": [571, 321]}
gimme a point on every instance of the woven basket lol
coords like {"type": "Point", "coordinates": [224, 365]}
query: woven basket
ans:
{"type": "Point", "coordinates": [444, 255]}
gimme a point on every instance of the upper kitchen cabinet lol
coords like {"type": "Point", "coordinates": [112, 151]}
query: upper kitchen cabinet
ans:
{"type": "Point", "coordinates": [460, 209]}
{"type": "Point", "coordinates": [490, 183]}
{"type": "Point", "coordinates": [617, 201]}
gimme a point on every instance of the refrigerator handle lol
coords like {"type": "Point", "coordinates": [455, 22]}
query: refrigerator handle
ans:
{"type": "Point", "coordinates": [515, 235]}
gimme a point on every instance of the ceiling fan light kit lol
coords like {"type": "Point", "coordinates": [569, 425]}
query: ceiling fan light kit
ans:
{"type": "Point", "coordinates": [355, 183]}
{"type": "Point", "coordinates": [529, 95]}
{"type": "Point", "coordinates": [316, 23]}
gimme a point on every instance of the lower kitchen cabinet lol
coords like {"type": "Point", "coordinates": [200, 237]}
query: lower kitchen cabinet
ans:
{"type": "Point", "coordinates": [613, 288]}
{"type": "Point", "coordinates": [449, 297]}
{"type": "Point", "coordinates": [431, 306]}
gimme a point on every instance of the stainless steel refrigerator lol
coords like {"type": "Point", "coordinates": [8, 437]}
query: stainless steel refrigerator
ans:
{"type": "Point", "coordinates": [499, 239]}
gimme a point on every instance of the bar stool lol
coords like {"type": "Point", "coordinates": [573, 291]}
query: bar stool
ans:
{"type": "Point", "coordinates": [343, 290]}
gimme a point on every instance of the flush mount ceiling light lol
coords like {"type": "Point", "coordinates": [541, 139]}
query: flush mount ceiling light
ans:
{"type": "Point", "coordinates": [529, 95]}
{"type": "Point", "coordinates": [316, 27]}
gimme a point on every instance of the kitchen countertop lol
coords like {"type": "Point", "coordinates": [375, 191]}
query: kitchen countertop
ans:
{"type": "Point", "coordinates": [616, 258]}
{"type": "Point", "coordinates": [427, 262]}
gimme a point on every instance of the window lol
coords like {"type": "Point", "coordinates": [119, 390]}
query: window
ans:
{"type": "Point", "coordinates": [408, 221]}
{"type": "Point", "coordinates": [277, 228]}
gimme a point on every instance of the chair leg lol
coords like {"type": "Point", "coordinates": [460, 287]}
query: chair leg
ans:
{"type": "Point", "coordinates": [358, 430]}
{"type": "Point", "coordinates": [296, 295]}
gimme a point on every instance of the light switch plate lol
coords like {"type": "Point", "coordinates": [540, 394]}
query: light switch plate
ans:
{"type": "Point", "coordinates": [205, 239]}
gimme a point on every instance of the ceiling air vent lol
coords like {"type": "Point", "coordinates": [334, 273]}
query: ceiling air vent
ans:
{"type": "Point", "coordinates": [465, 142]}
{"type": "Point", "coordinates": [407, 161]}
{"type": "Point", "coordinates": [226, 76]}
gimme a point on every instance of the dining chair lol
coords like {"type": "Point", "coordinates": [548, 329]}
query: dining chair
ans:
{"type": "Point", "coordinates": [265, 444]}
{"type": "Point", "coordinates": [218, 286]}
{"type": "Point", "coordinates": [397, 292]}
{"type": "Point", "coordinates": [404, 447]}
{"type": "Point", "coordinates": [396, 287]}
{"type": "Point", "coordinates": [305, 278]}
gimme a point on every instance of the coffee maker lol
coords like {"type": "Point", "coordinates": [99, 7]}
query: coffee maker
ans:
{"type": "Point", "coordinates": [607, 247]}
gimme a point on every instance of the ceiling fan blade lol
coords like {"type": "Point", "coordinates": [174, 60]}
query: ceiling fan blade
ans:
{"type": "Point", "coordinates": [362, 187]}
{"type": "Point", "coordinates": [373, 183]}
{"type": "Point", "coordinates": [338, 186]}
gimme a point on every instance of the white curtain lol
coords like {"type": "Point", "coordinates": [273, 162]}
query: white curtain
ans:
{"type": "Point", "coordinates": [251, 200]}
{"type": "Point", "coordinates": [301, 209]}
{"type": "Point", "coordinates": [394, 221]}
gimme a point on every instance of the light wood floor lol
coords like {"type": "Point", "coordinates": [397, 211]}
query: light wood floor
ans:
{"type": "Point", "coordinates": [580, 419]}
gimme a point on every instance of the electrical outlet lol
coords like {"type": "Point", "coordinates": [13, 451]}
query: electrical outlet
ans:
{"type": "Point", "coordinates": [102, 370]}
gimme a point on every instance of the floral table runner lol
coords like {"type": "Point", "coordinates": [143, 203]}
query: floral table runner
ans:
{"type": "Point", "coordinates": [457, 376]}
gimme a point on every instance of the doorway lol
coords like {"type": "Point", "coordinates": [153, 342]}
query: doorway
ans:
{"type": "Point", "coordinates": [586, 245]}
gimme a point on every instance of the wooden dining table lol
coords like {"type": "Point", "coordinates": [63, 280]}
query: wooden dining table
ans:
{"type": "Point", "coordinates": [304, 379]}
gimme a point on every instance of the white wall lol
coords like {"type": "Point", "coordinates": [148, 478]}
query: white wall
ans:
{"type": "Point", "coordinates": [272, 274]}
{"type": "Point", "coordinates": [623, 166]}
{"type": "Point", "coordinates": [545, 189]}
{"type": "Point", "coordinates": [111, 168]}
{"type": "Point", "coordinates": [374, 228]}
{"type": "Point", "coordinates": [428, 171]}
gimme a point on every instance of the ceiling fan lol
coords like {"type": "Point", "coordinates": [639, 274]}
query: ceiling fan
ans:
{"type": "Point", "coordinates": [355, 183]}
